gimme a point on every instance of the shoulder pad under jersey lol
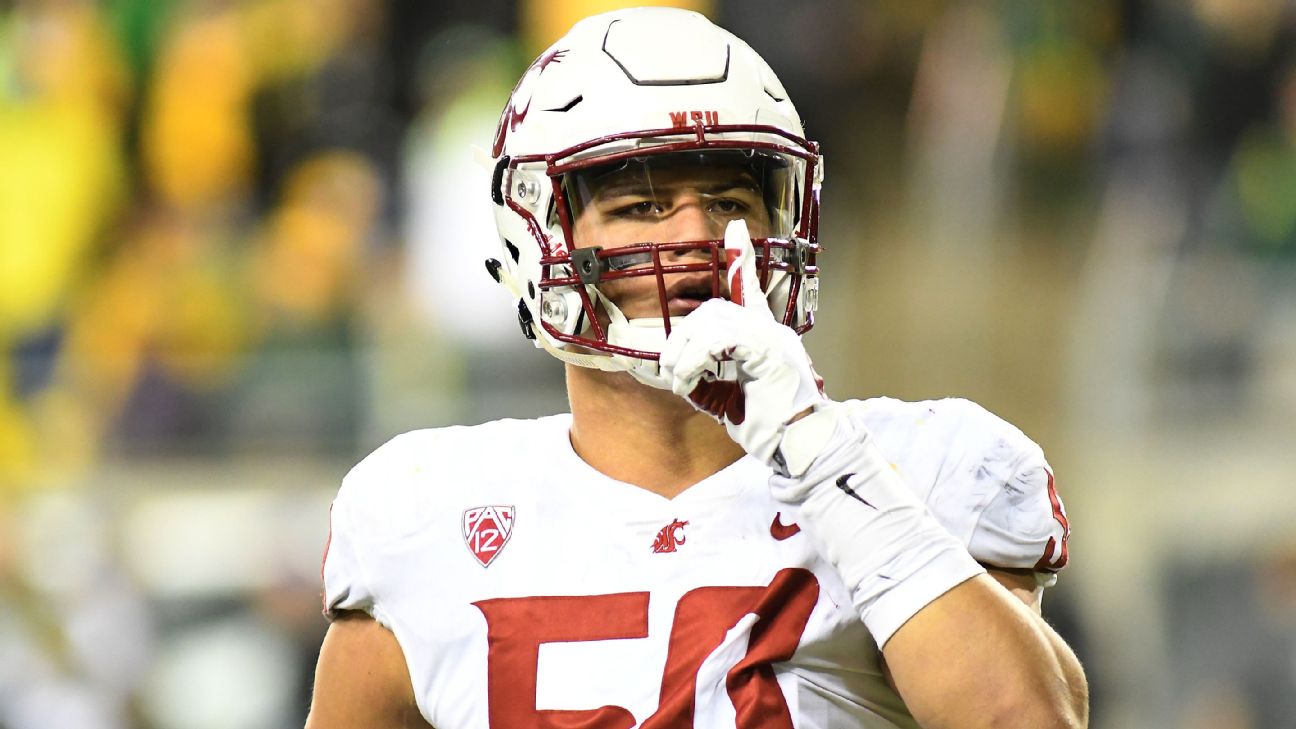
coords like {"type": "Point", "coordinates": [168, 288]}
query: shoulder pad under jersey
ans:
{"type": "Point", "coordinates": [983, 479]}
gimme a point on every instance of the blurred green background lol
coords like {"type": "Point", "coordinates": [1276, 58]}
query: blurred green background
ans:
{"type": "Point", "coordinates": [241, 245]}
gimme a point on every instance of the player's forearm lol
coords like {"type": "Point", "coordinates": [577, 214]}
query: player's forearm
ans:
{"type": "Point", "coordinates": [976, 657]}
{"type": "Point", "coordinates": [1073, 674]}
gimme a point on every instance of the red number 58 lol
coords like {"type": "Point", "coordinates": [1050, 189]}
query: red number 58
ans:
{"type": "Point", "coordinates": [517, 626]}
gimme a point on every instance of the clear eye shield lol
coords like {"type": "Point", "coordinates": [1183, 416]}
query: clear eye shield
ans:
{"type": "Point", "coordinates": [624, 212]}
{"type": "Point", "coordinates": [755, 185]}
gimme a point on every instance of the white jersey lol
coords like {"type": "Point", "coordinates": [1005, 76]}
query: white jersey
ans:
{"type": "Point", "coordinates": [527, 589]}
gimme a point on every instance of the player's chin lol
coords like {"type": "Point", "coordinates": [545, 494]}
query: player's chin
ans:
{"type": "Point", "coordinates": [686, 306]}
{"type": "Point", "coordinates": [675, 307]}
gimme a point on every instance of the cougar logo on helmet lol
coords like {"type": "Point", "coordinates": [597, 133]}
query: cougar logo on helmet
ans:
{"type": "Point", "coordinates": [513, 116]}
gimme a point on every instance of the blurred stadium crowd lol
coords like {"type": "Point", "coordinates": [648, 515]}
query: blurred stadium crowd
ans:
{"type": "Point", "coordinates": [241, 245]}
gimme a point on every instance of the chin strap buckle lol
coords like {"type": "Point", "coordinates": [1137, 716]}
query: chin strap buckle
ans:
{"type": "Point", "coordinates": [525, 320]}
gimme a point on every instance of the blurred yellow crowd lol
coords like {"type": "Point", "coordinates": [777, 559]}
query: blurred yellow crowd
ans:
{"type": "Point", "coordinates": [1082, 215]}
{"type": "Point", "coordinates": [135, 243]}
{"type": "Point", "coordinates": [183, 182]}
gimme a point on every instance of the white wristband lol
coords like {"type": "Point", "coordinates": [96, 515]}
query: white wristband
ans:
{"type": "Point", "coordinates": [887, 547]}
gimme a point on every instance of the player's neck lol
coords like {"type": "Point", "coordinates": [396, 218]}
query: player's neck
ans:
{"type": "Point", "coordinates": [641, 435]}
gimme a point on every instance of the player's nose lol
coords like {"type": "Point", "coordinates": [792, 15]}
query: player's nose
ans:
{"type": "Point", "coordinates": [691, 221]}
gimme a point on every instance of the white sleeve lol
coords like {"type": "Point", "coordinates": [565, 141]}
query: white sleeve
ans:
{"type": "Point", "coordinates": [345, 585]}
{"type": "Point", "coordinates": [379, 504]}
{"type": "Point", "coordinates": [983, 479]}
{"type": "Point", "coordinates": [1026, 525]}
{"type": "Point", "coordinates": [997, 494]}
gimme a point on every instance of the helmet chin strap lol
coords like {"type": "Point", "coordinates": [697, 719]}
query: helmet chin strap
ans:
{"type": "Point", "coordinates": [648, 334]}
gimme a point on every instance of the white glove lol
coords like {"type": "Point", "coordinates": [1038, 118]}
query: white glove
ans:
{"type": "Point", "coordinates": [736, 362]}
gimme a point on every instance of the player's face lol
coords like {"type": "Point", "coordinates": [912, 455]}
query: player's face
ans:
{"type": "Point", "coordinates": [688, 202]}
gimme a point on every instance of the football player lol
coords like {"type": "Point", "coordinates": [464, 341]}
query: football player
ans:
{"type": "Point", "coordinates": [707, 539]}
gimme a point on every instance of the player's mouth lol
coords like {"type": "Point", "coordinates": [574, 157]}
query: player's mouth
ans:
{"type": "Point", "coordinates": [685, 296]}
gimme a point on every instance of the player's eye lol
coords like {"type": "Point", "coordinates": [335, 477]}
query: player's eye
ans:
{"type": "Point", "coordinates": [639, 209]}
{"type": "Point", "coordinates": [729, 206]}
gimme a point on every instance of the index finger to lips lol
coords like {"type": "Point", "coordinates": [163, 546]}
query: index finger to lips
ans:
{"type": "Point", "coordinates": [740, 257]}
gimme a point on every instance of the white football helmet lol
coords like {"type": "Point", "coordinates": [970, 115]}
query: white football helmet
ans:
{"type": "Point", "coordinates": [641, 89]}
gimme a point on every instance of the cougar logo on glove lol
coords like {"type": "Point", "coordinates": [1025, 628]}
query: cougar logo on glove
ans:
{"type": "Point", "coordinates": [670, 537]}
{"type": "Point", "coordinates": [722, 399]}
{"type": "Point", "coordinates": [486, 529]}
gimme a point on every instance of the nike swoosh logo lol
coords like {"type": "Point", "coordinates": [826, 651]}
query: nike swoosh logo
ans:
{"type": "Point", "coordinates": [781, 531]}
{"type": "Point", "coordinates": [844, 486]}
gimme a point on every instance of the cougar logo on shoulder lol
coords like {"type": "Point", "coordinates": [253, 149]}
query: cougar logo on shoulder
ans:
{"type": "Point", "coordinates": [670, 537]}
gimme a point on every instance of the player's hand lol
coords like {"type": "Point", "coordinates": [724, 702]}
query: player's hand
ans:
{"type": "Point", "coordinates": [736, 362]}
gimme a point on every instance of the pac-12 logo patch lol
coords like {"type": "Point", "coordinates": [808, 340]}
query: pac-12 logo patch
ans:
{"type": "Point", "coordinates": [486, 530]}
